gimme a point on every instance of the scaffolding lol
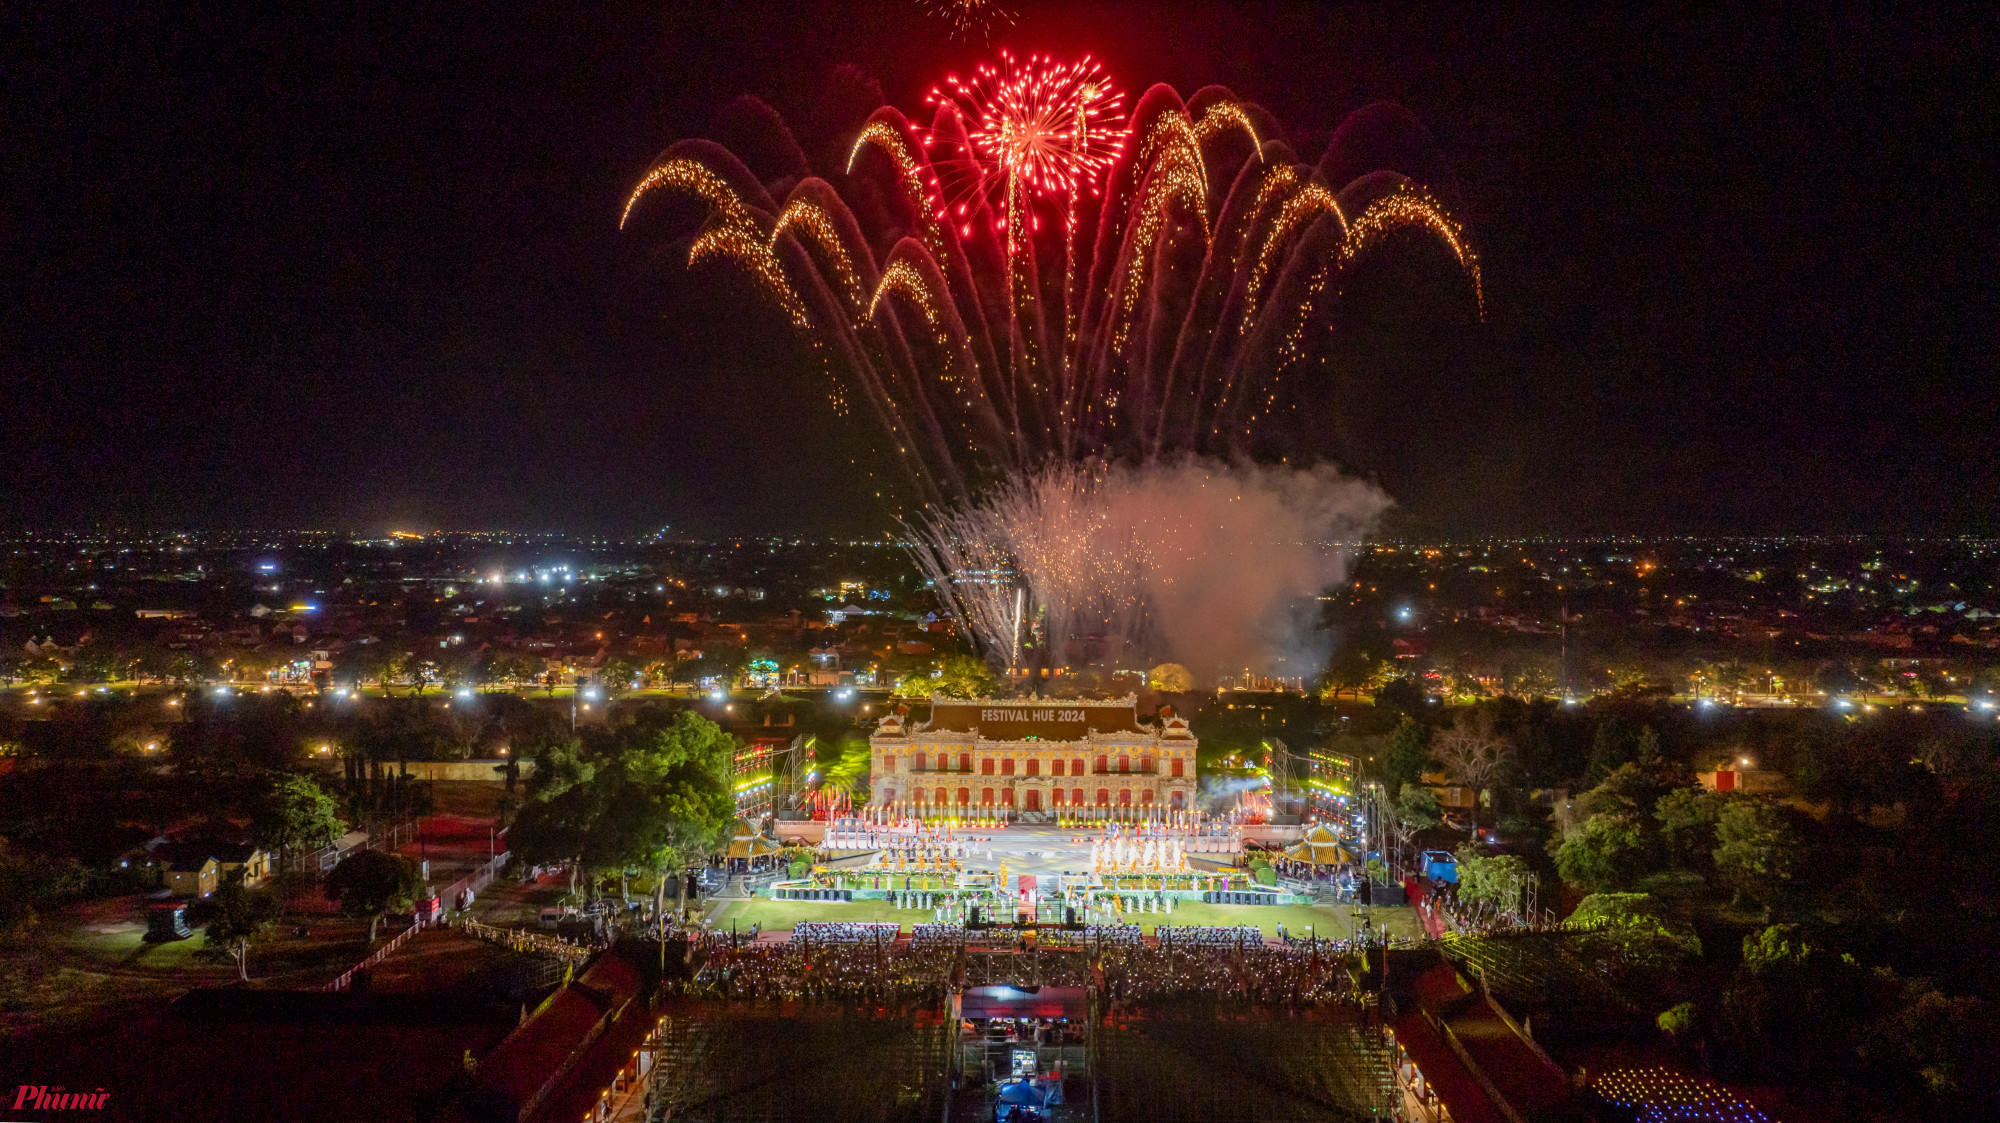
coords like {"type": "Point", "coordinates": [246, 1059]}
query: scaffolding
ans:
{"type": "Point", "coordinates": [728, 1063]}
{"type": "Point", "coordinates": [1200, 1056]}
{"type": "Point", "coordinates": [1191, 1062]}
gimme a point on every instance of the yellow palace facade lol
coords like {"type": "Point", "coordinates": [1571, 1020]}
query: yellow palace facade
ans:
{"type": "Point", "coordinates": [1008, 755]}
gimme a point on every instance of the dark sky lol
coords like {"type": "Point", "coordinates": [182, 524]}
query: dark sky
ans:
{"type": "Point", "coordinates": [290, 265]}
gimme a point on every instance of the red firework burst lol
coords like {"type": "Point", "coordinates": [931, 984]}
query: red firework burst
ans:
{"type": "Point", "coordinates": [1033, 130]}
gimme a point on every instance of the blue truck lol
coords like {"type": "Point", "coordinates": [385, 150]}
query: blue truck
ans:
{"type": "Point", "coordinates": [1439, 865]}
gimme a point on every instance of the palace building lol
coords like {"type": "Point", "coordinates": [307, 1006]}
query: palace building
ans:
{"type": "Point", "coordinates": [1034, 756]}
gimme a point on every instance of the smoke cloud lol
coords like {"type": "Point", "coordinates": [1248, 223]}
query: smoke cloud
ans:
{"type": "Point", "coordinates": [1214, 565]}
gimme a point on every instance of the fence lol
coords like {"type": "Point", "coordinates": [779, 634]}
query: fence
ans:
{"type": "Point", "coordinates": [347, 977]}
{"type": "Point", "coordinates": [473, 882]}
{"type": "Point", "coordinates": [530, 942]}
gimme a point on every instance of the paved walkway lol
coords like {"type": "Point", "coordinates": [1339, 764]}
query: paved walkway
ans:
{"type": "Point", "coordinates": [1427, 914]}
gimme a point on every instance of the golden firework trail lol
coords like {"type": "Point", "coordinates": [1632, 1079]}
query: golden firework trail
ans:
{"type": "Point", "coordinates": [1036, 276]}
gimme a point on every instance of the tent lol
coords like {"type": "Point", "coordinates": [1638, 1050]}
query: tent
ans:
{"type": "Point", "coordinates": [748, 843]}
{"type": "Point", "coordinates": [1319, 847]}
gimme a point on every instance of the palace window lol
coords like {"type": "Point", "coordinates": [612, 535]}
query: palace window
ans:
{"type": "Point", "coordinates": [1076, 796]}
{"type": "Point", "coordinates": [1034, 799]}
{"type": "Point", "coordinates": [1104, 797]}
{"type": "Point", "coordinates": [1124, 764]}
{"type": "Point", "coordinates": [1177, 768]}
{"type": "Point", "coordinates": [1007, 796]}
{"type": "Point", "coordinates": [917, 763]}
{"type": "Point", "coordinates": [986, 767]}
{"type": "Point", "coordinates": [965, 762]}
{"type": "Point", "coordinates": [1145, 764]}
{"type": "Point", "coordinates": [1055, 768]}
{"type": "Point", "coordinates": [1076, 767]}
{"type": "Point", "coordinates": [1034, 768]}
{"type": "Point", "coordinates": [1175, 799]}
{"type": "Point", "coordinates": [1101, 766]}
{"type": "Point", "coordinates": [1125, 797]}
{"type": "Point", "coordinates": [986, 796]}
{"type": "Point", "coordinates": [965, 795]}
{"type": "Point", "coordinates": [888, 764]}
{"type": "Point", "coordinates": [1007, 767]}
{"type": "Point", "coordinates": [1146, 796]}
{"type": "Point", "coordinates": [943, 797]}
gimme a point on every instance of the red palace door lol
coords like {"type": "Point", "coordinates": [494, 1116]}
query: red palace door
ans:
{"type": "Point", "coordinates": [1034, 800]}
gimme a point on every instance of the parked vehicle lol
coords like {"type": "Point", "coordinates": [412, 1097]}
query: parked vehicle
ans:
{"type": "Point", "coordinates": [1439, 865]}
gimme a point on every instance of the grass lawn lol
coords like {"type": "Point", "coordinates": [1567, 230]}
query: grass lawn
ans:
{"type": "Point", "coordinates": [1332, 922]}
{"type": "Point", "coordinates": [124, 945]}
{"type": "Point", "coordinates": [1336, 923]}
{"type": "Point", "coordinates": [781, 915]}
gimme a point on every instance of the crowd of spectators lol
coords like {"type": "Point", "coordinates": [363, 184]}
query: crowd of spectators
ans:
{"type": "Point", "coordinates": [846, 932]}
{"type": "Point", "coordinates": [852, 963]}
{"type": "Point", "coordinates": [1207, 936]}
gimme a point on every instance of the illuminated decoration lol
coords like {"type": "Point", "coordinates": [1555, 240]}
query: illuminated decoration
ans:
{"type": "Point", "coordinates": [1662, 1095]}
{"type": "Point", "coordinates": [1039, 281]}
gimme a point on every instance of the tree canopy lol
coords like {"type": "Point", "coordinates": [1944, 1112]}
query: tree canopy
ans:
{"type": "Point", "coordinates": [648, 796]}
{"type": "Point", "coordinates": [297, 813]}
{"type": "Point", "coordinates": [232, 917]}
{"type": "Point", "coordinates": [369, 883]}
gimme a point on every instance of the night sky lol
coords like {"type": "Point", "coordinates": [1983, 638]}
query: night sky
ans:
{"type": "Point", "coordinates": [308, 265]}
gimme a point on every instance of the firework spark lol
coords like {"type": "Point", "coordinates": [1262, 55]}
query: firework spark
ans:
{"type": "Point", "coordinates": [1200, 559]}
{"type": "Point", "coordinates": [969, 16]}
{"type": "Point", "coordinates": [1066, 287]}
{"type": "Point", "coordinates": [1033, 130]}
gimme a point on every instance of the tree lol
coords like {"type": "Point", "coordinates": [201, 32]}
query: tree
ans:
{"type": "Point", "coordinates": [1533, 681]}
{"type": "Point", "coordinates": [665, 798]}
{"type": "Point", "coordinates": [369, 883]}
{"type": "Point", "coordinates": [647, 797]}
{"type": "Point", "coordinates": [1414, 809]}
{"type": "Point", "coordinates": [1687, 818]}
{"type": "Point", "coordinates": [1754, 846]}
{"type": "Point", "coordinates": [1408, 756]}
{"type": "Point", "coordinates": [1608, 853]}
{"type": "Point", "coordinates": [559, 764]}
{"type": "Point", "coordinates": [233, 916]}
{"type": "Point", "coordinates": [1471, 753]}
{"type": "Point", "coordinates": [1611, 746]}
{"type": "Point", "coordinates": [1170, 678]}
{"type": "Point", "coordinates": [1462, 684]}
{"type": "Point", "coordinates": [1351, 671]}
{"type": "Point", "coordinates": [296, 813]}
{"type": "Point", "coordinates": [1632, 929]}
{"type": "Point", "coordinates": [962, 676]}
{"type": "Point", "coordinates": [1495, 879]}
{"type": "Point", "coordinates": [1732, 677]}
{"type": "Point", "coordinates": [1838, 678]}
{"type": "Point", "coordinates": [1680, 1022]}
{"type": "Point", "coordinates": [28, 880]}
{"type": "Point", "coordinates": [1405, 693]}
{"type": "Point", "coordinates": [617, 674]}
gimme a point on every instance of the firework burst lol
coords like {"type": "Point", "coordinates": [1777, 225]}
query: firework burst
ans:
{"type": "Point", "coordinates": [1048, 283]}
{"type": "Point", "coordinates": [1024, 133]}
